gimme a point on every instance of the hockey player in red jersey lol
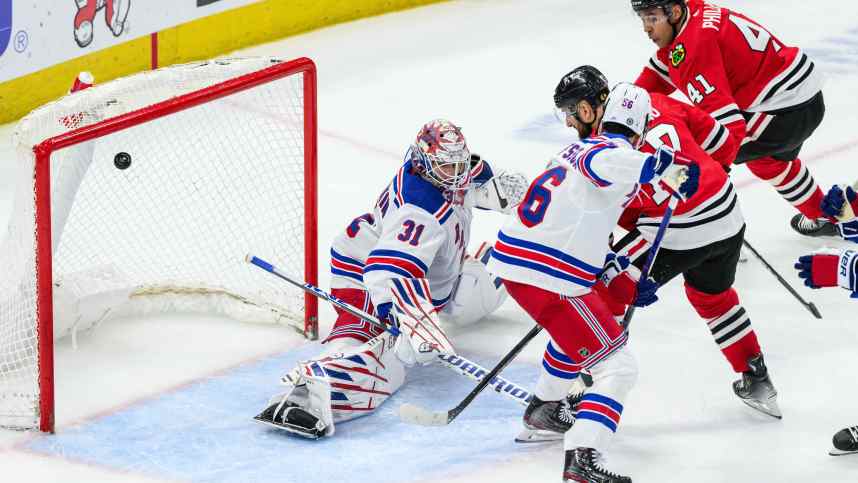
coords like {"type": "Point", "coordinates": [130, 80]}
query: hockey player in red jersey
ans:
{"type": "Point", "coordinates": [766, 93]}
{"type": "Point", "coordinates": [702, 243]}
{"type": "Point", "coordinates": [549, 256]}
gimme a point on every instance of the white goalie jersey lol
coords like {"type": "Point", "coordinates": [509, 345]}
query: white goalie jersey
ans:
{"type": "Point", "coordinates": [413, 231]}
{"type": "Point", "coordinates": [558, 239]}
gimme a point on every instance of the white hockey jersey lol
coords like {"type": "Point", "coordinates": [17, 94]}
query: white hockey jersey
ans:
{"type": "Point", "coordinates": [559, 239]}
{"type": "Point", "coordinates": [413, 231]}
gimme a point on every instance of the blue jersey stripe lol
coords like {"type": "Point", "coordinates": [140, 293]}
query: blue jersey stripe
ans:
{"type": "Point", "coordinates": [553, 252]}
{"type": "Point", "coordinates": [569, 375]}
{"type": "Point", "coordinates": [379, 267]}
{"type": "Point", "coordinates": [345, 259]}
{"type": "Point", "coordinates": [540, 268]}
{"type": "Point", "coordinates": [343, 273]}
{"type": "Point", "coordinates": [402, 255]}
{"type": "Point", "coordinates": [588, 158]}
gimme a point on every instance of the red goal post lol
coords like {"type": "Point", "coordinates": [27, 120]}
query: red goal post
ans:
{"type": "Point", "coordinates": [242, 116]}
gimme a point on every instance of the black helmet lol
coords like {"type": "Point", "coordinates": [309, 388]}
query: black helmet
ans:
{"type": "Point", "coordinates": [638, 5]}
{"type": "Point", "coordinates": [583, 83]}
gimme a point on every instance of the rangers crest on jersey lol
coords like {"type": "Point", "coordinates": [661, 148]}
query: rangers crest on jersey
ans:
{"type": "Point", "coordinates": [677, 55]}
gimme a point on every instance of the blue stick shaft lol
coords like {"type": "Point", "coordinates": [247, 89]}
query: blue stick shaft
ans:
{"type": "Point", "coordinates": [316, 291]}
{"type": "Point", "coordinates": [656, 244]}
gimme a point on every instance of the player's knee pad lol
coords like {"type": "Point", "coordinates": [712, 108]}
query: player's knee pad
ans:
{"type": "Point", "coordinates": [711, 306]}
{"type": "Point", "coordinates": [615, 375]}
{"type": "Point", "coordinates": [349, 384]}
{"type": "Point", "coordinates": [478, 294]}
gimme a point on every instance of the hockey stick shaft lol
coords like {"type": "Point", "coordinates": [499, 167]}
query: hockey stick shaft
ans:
{"type": "Point", "coordinates": [456, 363]}
{"type": "Point", "coordinates": [417, 415]}
{"type": "Point", "coordinates": [451, 415]}
{"type": "Point", "coordinates": [316, 291]}
{"type": "Point", "coordinates": [808, 305]}
{"type": "Point", "coordinates": [653, 252]}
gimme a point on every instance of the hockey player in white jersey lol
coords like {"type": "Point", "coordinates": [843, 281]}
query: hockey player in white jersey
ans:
{"type": "Point", "coordinates": [550, 254]}
{"type": "Point", "coordinates": [415, 236]}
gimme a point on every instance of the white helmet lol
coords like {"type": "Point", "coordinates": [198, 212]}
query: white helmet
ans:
{"type": "Point", "coordinates": [630, 106]}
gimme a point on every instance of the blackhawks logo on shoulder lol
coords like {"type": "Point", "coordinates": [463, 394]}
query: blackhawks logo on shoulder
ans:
{"type": "Point", "coordinates": [677, 55]}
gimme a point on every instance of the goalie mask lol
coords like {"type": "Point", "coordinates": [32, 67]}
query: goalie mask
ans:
{"type": "Point", "coordinates": [441, 156]}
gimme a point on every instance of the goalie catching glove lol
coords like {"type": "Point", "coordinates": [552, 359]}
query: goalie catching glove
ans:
{"type": "Point", "coordinates": [501, 193]}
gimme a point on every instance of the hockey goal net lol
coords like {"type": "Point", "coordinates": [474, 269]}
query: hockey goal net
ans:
{"type": "Point", "coordinates": [144, 195]}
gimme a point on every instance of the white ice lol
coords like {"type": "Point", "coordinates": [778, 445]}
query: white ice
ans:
{"type": "Point", "coordinates": [491, 66]}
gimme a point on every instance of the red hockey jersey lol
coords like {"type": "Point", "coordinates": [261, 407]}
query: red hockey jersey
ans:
{"type": "Point", "coordinates": [726, 64]}
{"type": "Point", "coordinates": [713, 213]}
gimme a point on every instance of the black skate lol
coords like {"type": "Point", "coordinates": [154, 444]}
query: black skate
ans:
{"type": "Point", "coordinates": [845, 442]}
{"type": "Point", "coordinates": [582, 466]}
{"type": "Point", "coordinates": [548, 420]}
{"type": "Point", "coordinates": [288, 416]}
{"type": "Point", "coordinates": [756, 389]}
{"type": "Point", "coordinates": [814, 228]}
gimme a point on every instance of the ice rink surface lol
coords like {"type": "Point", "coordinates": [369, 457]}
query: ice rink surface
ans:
{"type": "Point", "coordinates": [170, 398]}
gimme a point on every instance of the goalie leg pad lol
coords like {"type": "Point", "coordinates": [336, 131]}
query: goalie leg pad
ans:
{"type": "Point", "coordinates": [358, 381]}
{"type": "Point", "coordinates": [336, 387]}
{"type": "Point", "coordinates": [478, 293]}
{"type": "Point", "coordinates": [348, 326]}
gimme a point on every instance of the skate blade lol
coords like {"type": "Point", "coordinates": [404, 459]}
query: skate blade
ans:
{"type": "Point", "coordinates": [287, 428]}
{"type": "Point", "coordinates": [840, 452]}
{"type": "Point", "coordinates": [769, 408]}
{"type": "Point", "coordinates": [537, 436]}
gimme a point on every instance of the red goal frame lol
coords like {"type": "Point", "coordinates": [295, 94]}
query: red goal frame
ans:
{"type": "Point", "coordinates": [44, 150]}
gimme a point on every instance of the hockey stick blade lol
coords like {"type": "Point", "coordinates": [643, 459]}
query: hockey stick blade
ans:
{"type": "Point", "coordinates": [411, 413]}
{"type": "Point", "coordinates": [808, 305]}
{"type": "Point", "coordinates": [423, 417]}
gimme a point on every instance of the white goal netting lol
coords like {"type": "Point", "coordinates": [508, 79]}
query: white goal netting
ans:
{"type": "Point", "coordinates": [205, 186]}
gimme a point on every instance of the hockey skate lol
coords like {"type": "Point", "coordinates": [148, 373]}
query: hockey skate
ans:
{"type": "Point", "coordinates": [756, 389]}
{"type": "Point", "coordinates": [548, 420]}
{"type": "Point", "coordinates": [845, 442]}
{"type": "Point", "coordinates": [288, 416]}
{"type": "Point", "coordinates": [582, 466]}
{"type": "Point", "coordinates": [813, 228]}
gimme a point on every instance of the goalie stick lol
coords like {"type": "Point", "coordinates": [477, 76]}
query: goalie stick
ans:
{"type": "Point", "coordinates": [411, 413]}
{"type": "Point", "coordinates": [454, 362]}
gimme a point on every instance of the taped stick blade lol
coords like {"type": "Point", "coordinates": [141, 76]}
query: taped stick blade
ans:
{"type": "Point", "coordinates": [413, 414]}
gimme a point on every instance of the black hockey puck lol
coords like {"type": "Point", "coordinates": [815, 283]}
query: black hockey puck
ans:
{"type": "Point", "coordinates": [122, 160]}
